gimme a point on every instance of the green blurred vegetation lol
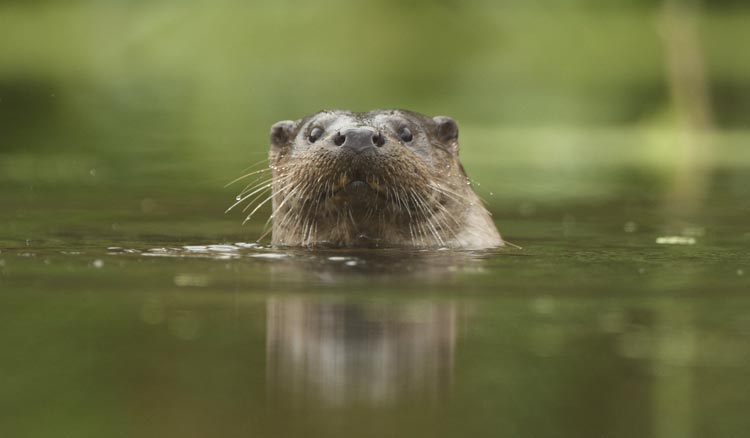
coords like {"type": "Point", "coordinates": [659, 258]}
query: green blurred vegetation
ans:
{"type": "Point", "coordinates": [128, 78]}
{"type": "Point", "coordinates": [135, 109]}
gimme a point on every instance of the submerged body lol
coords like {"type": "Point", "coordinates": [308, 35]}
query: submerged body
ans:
{"type": "Point", "coordinates": [385, 178]}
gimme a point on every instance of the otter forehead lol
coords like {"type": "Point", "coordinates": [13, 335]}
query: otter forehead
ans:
{"type": "Point", "coordinates": [336, 119]}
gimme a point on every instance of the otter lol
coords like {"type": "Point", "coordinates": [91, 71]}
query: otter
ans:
{"type": "Point", "coordinates": [383, 178]}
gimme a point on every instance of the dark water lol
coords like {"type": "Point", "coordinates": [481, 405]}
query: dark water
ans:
{"type": "Point", "coordinates": [134, 307]}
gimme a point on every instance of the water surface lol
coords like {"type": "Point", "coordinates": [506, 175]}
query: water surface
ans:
{"type": "Point", "coordinates": [134, 307]}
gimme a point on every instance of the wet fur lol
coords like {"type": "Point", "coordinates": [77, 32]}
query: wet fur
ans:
{"type": "Point", "coordinates": [418, 195]}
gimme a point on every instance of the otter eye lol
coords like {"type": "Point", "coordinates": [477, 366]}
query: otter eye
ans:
{"type": "Point", "coordinates": [405, 134]}
{"type": "Point", "coordinates": [315, 134]}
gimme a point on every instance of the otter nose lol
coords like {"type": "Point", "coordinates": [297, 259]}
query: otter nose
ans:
{"type": "Point", "coordinates": [358, 139]}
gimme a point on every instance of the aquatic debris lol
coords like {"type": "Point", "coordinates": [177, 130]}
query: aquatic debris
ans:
{"type": "Point", "coordinates": [675, 240]}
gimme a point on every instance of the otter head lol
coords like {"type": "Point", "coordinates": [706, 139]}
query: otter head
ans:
{"type": "Point", "coordinates": [380, 178]}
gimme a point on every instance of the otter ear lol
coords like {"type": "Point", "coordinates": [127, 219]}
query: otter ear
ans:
{"type": "Point", "coordinates": [281, 133]}
{"type": "Point", "coordinates": [447, 131]}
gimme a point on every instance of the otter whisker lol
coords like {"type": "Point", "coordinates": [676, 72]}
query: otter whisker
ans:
{"type": "Point", "coordinates": [418, 225]}
{"type": "Point", "coordinates": [258, 196]}
{"type": "Point", "coordinates": [254, 185]}
{"type": "Point", "coordinates": [429, 219]}
{"type": "Point", "coordinates": [286, 198]}
{"type": "Point", "coordinates": [255, 189]}
{"type": "Point", "coordinates": [257, 163]}
{"type": "Point", "coordinates": [426, 221]}
{"type": "Point", "coordinates": [243, 198]}
{"type": "Point", "coordinates": [260, 192]}
{"type": "Point", "coordinates": [259, 206]}
{"type": "Point", "coordinates": [447, 212]}
{"type": "Point", "coordinates": [436, 222]}
{"type": "Point", "coordinates": [262, 236]}
{"type": "Point", "coordinates": [448, 193]}
{"type": "Point", "coordinates": [247, 175]}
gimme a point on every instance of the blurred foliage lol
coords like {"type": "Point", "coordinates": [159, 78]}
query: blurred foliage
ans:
{"type": "Point", "coordinates": [159, 94]}
{"type": "Point", "coordinates": [229, 65]}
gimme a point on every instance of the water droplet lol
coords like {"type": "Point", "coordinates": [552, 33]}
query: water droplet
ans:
{"type": "Point", "coordinates": [98, 263]}
{"type": "Point", "coordinates": [238, 197]}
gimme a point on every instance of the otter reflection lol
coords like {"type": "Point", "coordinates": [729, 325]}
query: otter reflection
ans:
{"type": "Point", "coordinates": [337, 352]}
{"type": "Point", "coordinates": [378, 266]}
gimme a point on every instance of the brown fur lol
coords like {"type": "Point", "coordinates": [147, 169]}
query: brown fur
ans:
{"type": "Point", "coordinates": [415, 194]}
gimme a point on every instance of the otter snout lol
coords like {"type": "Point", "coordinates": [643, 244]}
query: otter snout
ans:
{"type": "Point", "coordinates": [358, 139]}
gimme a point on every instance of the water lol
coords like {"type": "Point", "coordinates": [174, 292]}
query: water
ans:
{"type": "Point", "coordinates": [608, 138]}
{"type": "Point", "coordinates": [134, 307]}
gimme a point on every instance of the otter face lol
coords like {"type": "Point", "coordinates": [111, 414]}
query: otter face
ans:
{"type": "Point", "coordinates": [381, 178]}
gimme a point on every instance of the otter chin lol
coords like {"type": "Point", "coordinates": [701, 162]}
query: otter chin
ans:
{"type": "Point", "coordinates": [383, 178]}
